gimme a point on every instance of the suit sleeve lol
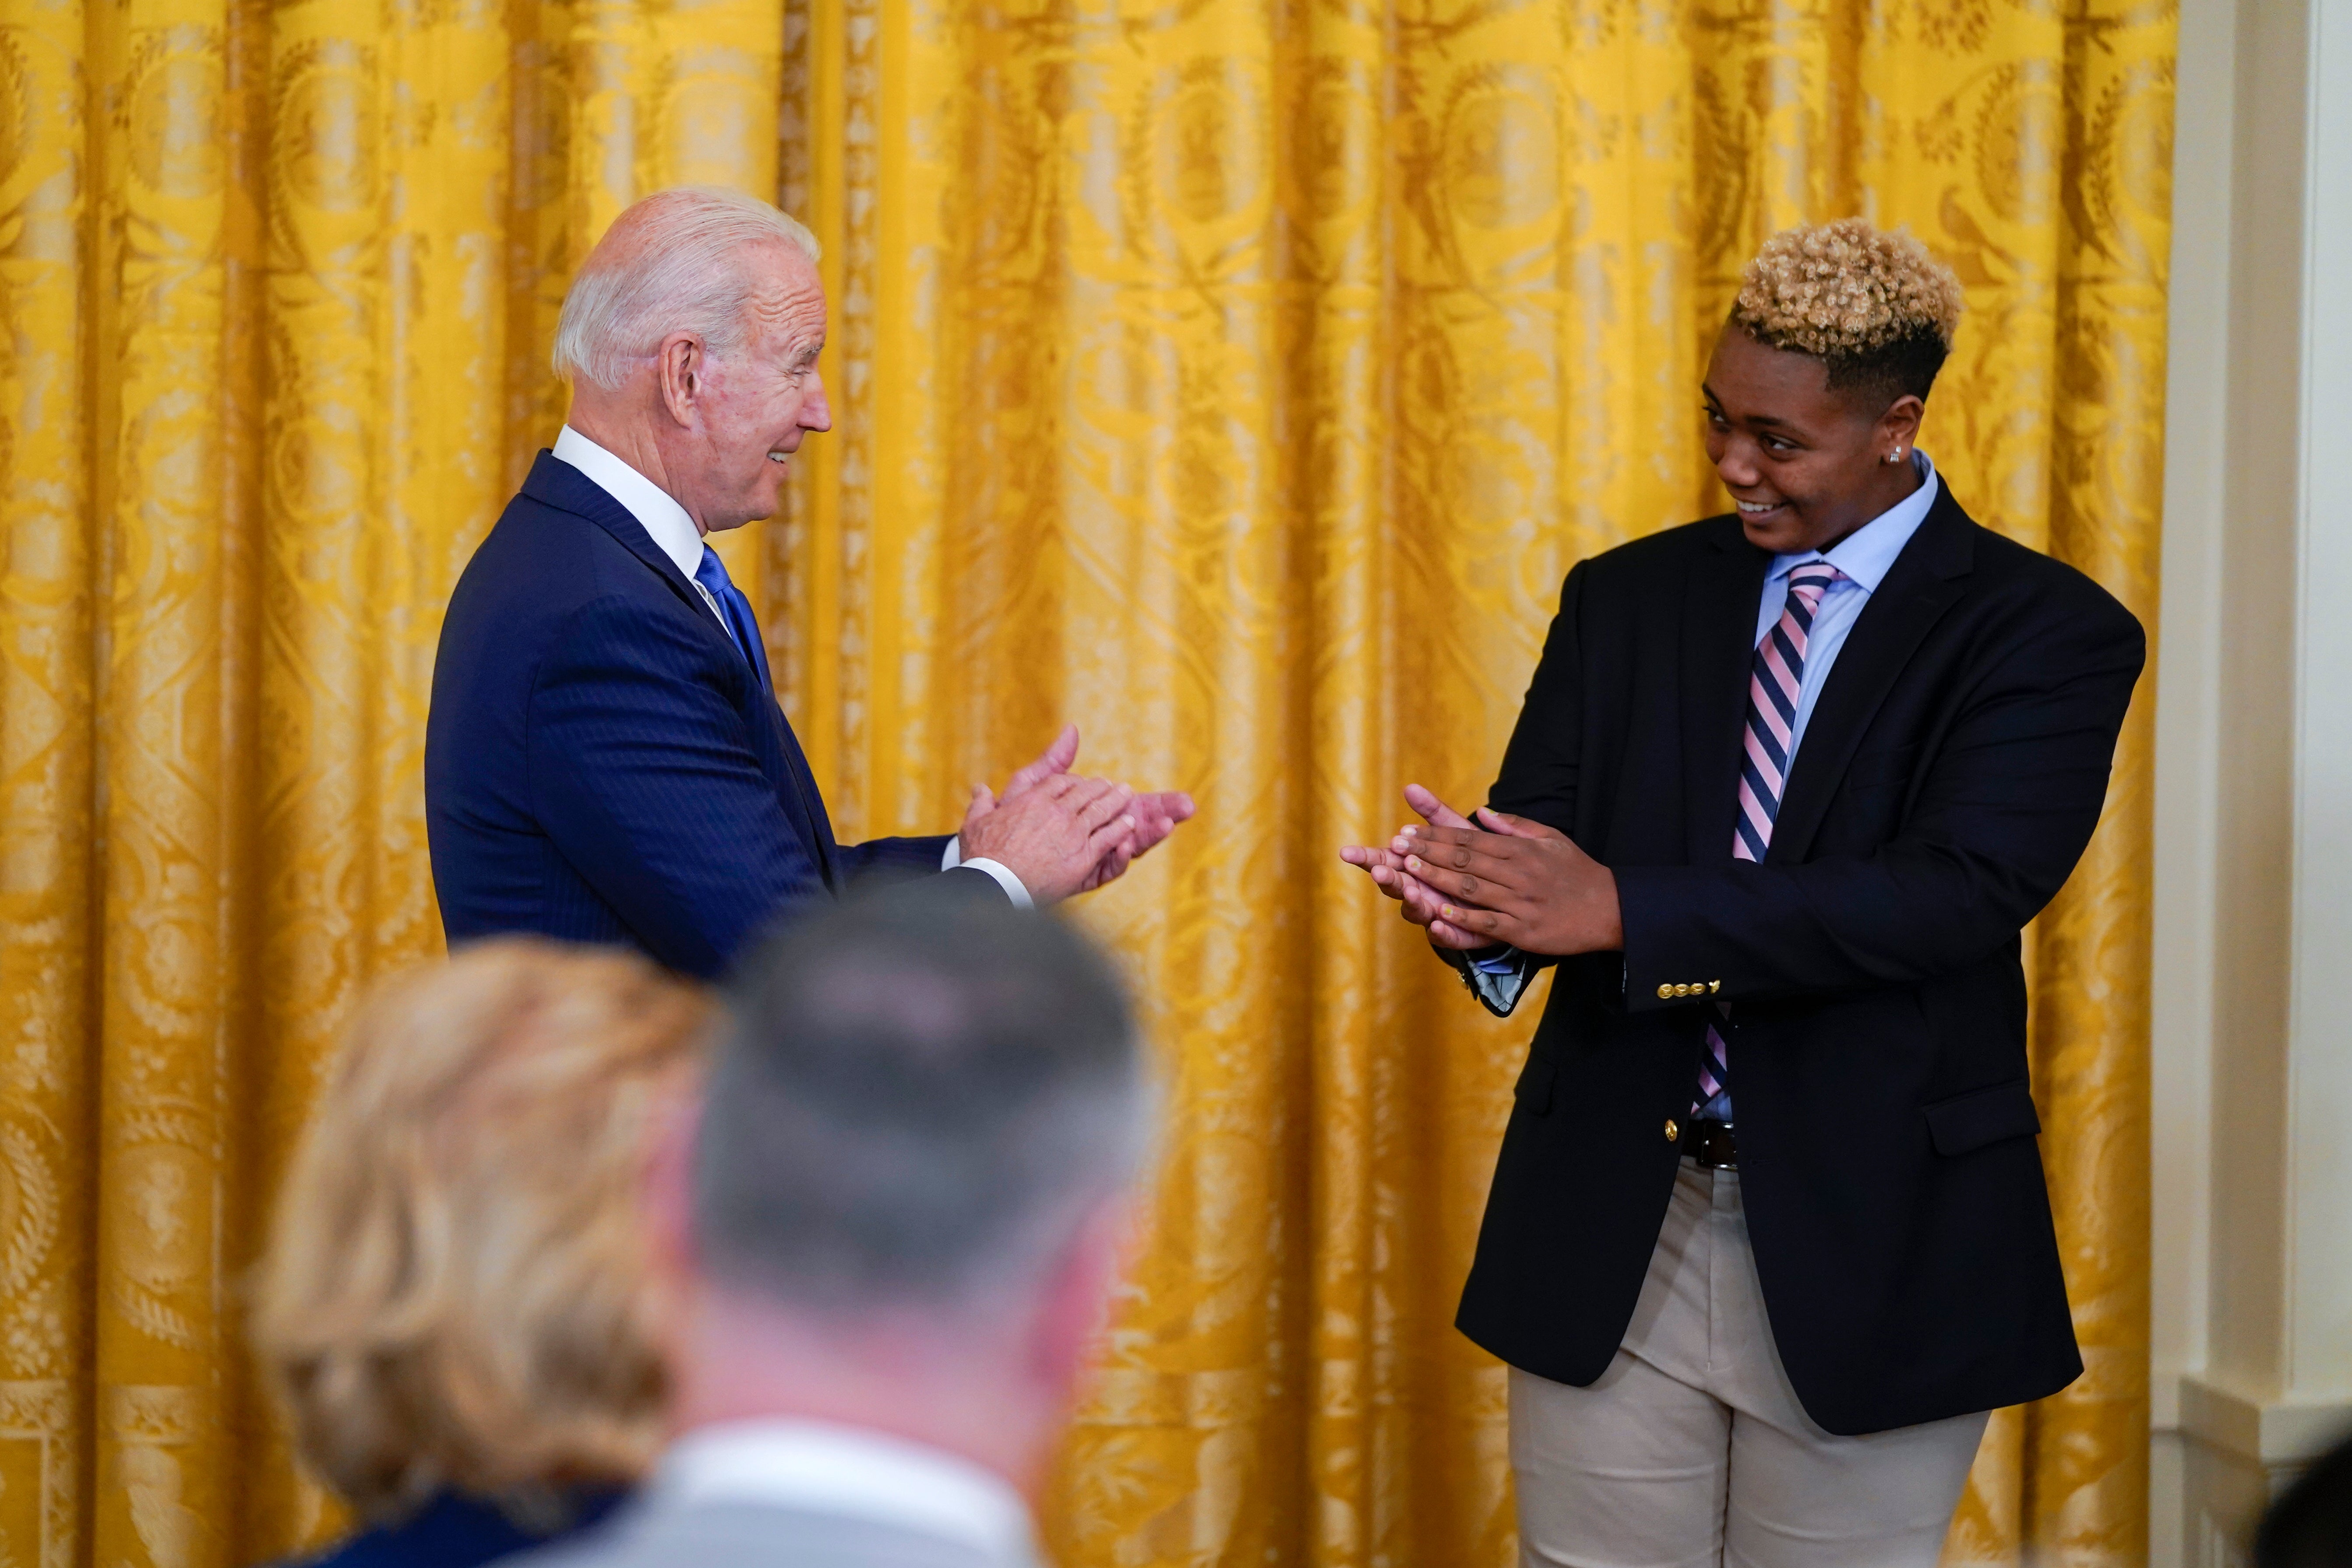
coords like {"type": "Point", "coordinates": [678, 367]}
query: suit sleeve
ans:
{"type": "Point", "coordinates": [1538, 781]}
{"type": "Point", "coordinates": [1539, 766]}
{"type": "Point", "coordinates": [644, 776]}
{"type": "Point", "coordinates": [893, 859]}
{"type": "Point", "coordinates": [2007, 805]}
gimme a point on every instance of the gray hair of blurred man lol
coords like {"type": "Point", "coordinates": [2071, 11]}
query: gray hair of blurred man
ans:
{"type": "Point", "coordinates": [676, 269]}
{"type": "Point", "coordinates": [917, 1101]}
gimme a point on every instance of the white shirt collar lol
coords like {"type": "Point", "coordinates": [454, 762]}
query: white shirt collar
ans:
{"type": "Point", "coordinates": [1868, 554]}
{"type": "Point", "coordinates": [666, 522]}
{"type": "Point", "coordinates": [820, 1467]}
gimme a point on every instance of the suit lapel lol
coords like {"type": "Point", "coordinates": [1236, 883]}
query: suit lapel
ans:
{"type": "Point", "coordinates": [558, 484]}
{"type": "Point", "coordinates": [1926, 580]}
{"type": "Point", "coordinates": [1727, 579]}
{"type": "Point", "coordinates": [801, 785]}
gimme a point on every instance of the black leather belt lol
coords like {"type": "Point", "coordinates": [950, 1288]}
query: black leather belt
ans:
{"type": "Point", "coordinates": [1711, 1145]}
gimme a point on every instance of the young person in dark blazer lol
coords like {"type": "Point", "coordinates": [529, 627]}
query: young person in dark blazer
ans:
{"type": "Point", "coordinates": [1788, 785]}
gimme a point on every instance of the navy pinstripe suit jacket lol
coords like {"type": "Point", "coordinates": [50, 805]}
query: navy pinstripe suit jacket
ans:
{"type": "Point", "coordinates": [601, 765]}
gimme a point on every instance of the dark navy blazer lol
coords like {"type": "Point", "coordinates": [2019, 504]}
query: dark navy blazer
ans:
{"type": "Point", "coordinates": [1951, 776]}
{"type": "Point", "coordinates": [601, 765]}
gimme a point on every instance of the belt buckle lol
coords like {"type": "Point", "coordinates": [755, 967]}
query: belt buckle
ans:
{"type": "Point", "coordinates": [1714, 1145]}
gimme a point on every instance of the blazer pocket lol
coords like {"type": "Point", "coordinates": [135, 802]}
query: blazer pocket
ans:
{"type": "Point", "coordinates": [1534, 1088]}
{"type": "Point", "coordinates": [1885, 765]}
{"type": "Point", "coordinates": [1982, 1116]}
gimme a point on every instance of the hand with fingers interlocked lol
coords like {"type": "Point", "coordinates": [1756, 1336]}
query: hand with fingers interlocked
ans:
{"type": "Point", "coordinates": [1497, 879]}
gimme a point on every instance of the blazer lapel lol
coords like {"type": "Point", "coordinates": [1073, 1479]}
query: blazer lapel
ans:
{"type": "Point", "coordinates": [1926, 580]}
{"type": "Point", "coordinates": [801, 785]}
{"type": "Point", "coordinates": [1725, 582]}
{"type": "Point", "coordinates": [558, 484]}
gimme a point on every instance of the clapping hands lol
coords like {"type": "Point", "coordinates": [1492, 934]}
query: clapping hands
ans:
{"type": "Point", "coordinates": [1063, 834]}
{"type": "Point", "coordinates": [1389, 870]}
{"type": "Point", "coordinates": [1497, 879]}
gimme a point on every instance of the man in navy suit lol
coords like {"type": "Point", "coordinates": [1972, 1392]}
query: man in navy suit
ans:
{"type": "Point", "coordinates": [605, 761]}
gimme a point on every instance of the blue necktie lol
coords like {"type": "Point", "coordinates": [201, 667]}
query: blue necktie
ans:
{"type": "Point", "coordinates": [735, 611]}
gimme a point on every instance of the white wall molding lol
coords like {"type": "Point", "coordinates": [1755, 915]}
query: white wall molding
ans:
{"type": "Point", "coordinates": [2317, 1328]}
{"type": "Point", "coordinates": [2252, 1044]}
{"type": "Point", "coordinates": [2270, 1432]}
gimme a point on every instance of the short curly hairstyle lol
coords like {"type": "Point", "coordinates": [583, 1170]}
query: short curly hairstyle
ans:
{"type": "Point", "coordinates": [454, 1293]}
{"type": "Point", "coordinates": [1874, 306]}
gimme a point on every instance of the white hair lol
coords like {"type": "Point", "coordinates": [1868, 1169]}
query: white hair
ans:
{"type": "Point", "coordinates": [682, 277]}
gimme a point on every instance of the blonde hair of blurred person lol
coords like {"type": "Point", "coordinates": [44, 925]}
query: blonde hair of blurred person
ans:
{"type": "Point", "coordinates": [455, 1300]}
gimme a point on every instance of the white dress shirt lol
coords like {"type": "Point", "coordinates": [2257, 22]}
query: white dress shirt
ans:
{"type": "Point", "coordinates": [814, 1467]}
{"type": "Point", "coordinates": [674, 534]}
{"type": "Point", "coordinates": [1864, 557]}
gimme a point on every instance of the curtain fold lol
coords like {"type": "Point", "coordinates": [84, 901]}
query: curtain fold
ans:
{"type": "Point", "coordinates": [1238, 379]}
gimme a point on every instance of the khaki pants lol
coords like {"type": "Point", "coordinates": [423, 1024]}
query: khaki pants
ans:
{"type": "Point", "coordinates": [1692, 1450]}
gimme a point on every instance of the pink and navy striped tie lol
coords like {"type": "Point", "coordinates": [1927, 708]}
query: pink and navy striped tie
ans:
{"type": "Point", "coordinates": [1776, 679]}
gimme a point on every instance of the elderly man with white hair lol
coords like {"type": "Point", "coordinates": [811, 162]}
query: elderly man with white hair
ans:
{"type": "Point", "coordinates": [605, 760]}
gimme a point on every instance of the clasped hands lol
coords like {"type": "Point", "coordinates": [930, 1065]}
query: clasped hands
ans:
{"type": "Point", "coordinates": [1063, 834]}
{"type": "Point", "coordinates": [1499, 879]}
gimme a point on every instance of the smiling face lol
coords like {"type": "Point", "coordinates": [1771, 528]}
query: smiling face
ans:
{"type": "Point", "coordinates": [758, 400]}
{"type": "Point", "coordinates": [1806, 465]}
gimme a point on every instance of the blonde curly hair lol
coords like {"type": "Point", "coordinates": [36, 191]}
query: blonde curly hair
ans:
{"type": "Point", "coordinates": [1874, 306]}
{"type": "Point", "coordinates": [454, 1293]}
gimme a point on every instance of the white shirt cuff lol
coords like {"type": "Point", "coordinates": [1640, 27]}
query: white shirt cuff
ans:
{"type": "Point", "coordinates": [1005, 879]}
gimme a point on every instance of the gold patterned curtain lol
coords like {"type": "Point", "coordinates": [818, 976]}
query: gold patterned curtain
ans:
{"type": "Point", "coordinates": [1237, 378]}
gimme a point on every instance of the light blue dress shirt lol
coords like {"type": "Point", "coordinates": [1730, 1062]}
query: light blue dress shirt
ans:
{"type": "Point", "coordinates": [1864, 558]}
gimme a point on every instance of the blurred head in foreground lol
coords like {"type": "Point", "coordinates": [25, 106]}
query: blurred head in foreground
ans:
{"type": "Point", "coordinates": [904, 1206]}
{"type": "Point", "coordinates": [454, 1297]}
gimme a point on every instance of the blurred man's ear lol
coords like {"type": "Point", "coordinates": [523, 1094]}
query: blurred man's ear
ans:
{"type": "Point", "coordinates": [665, 1203]}
{"type": "Point", "coordinates": [1075, 1306]}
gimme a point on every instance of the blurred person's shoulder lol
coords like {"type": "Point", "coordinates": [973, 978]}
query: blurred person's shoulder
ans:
{"type": "Point", "coordinates": [753, 1535]}
{"type": "Point", "coordinates": [455, 1531]}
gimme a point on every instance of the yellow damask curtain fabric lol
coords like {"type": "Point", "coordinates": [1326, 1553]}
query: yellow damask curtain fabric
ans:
{"type": "Point", "coordinates": [1239, 379]}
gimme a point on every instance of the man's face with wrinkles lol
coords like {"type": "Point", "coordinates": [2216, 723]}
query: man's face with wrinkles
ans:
{"type": "Point", "coordinates": [760, 399]}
